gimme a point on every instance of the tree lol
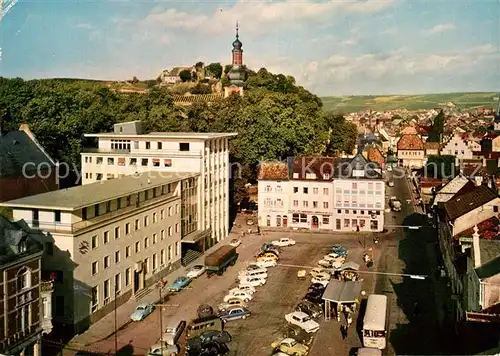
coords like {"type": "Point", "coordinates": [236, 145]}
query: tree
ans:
{"type": "Point", "coordinates": [201, 89]}
{"type": "Point", "coordinates": [227, 68]}
{"type": "Point", "coordinates": [442, 167]}
{"type": "Point", "coordinates": [342, 135]}
{"type": "Point", "coordinates": [214, 69]}
{"type": "Point", "coordinates": [436, 133]}
{"type": "Point", "coordinates": [185, 75]}
{"type": "Point", "coordinates": [199, 65]}
{"type": "Point", "coordinates": [135, 80]}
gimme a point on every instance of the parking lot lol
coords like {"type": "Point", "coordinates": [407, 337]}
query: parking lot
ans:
{"type": "Point", "coordinates": [271, 302]}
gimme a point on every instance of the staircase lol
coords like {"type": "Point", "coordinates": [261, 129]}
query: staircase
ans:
{"type": "Point", "coordinates": [142, 293]}
{"type": "Point", "coordinates": [190, 256]}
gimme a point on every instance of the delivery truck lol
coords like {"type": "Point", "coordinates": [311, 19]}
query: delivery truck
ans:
{"type": "Point", "coordinates": [220, 259]}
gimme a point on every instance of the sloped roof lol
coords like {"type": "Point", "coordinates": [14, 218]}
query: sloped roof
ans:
{"type": "Point", "coordinates": [410, 142]}
{"type": "Point", "coordinates": [409, 130]}
{"type": "Point", "coordinates": [273, 171]}
{"type": "Point", "coordinates": [174, 72]}
{"type": "Point", "coordinates": [347, 168]}
{"type": "Point", "coordinates": [461, 205]}
{"type": "Point", "coordinates": [11, 235]}
{"type": "Point", "coordinates": [317, 165]}
{"type": "Point", "coordinates": [374, 155]}
{"type": "Point", "coordinates": [16, 149]}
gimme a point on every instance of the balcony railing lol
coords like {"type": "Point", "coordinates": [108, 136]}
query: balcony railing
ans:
{"type": "Point", "coordinates": [105, 150]}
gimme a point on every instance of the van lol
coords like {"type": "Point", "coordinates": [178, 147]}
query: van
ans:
{"type": "Point", "coordinates": [173, 332]}
{"type": "Point", "coordinates": [197, 326]}
{"type": "Point", "coordinates": [262, 273]}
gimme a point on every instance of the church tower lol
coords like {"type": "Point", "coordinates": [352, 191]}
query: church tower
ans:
{"type": "Point", "coordinates": [496, 123]}
{"type": "Point", "coordinates": [237, 51]}
{"type": "Point", "coordinates": [237, 73]}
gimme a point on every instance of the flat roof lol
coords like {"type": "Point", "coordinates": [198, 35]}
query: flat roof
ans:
{"type": "Point", "coordinates": [74, 198]}
{"type": "Point", "coordinates": [168, 135]}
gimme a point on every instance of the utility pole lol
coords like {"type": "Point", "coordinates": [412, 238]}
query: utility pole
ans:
{"type": "Point", "coordinates": [160, 285]}
{"type": "Point", "coordinates": [116, 326]}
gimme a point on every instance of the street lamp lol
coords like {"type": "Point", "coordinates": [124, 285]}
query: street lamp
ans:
{"type": "Point", "coordinates": [116, 327]}
{"type": "Point", "coordinates": [160, 285]}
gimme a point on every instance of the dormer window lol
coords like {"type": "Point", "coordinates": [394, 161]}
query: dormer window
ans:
{"type": "Point", "coordinates": [295, 176]}
{"type": "Point", "coordinates": [326, 176]}
{"type": "Point", "coordinates": [22, 246]}
{"type": "Point", "coordinates": [310, 176]}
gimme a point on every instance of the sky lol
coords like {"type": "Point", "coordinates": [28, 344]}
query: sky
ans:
{"type": "Point", "coordinates": [338, 47]}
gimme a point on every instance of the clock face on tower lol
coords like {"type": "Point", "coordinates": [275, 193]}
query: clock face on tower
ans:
{"type": "Point", "coordinates": [84, 247]}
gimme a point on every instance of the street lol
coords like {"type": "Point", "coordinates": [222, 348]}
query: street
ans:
{"type": "Point", "coordinates": [400, 250]}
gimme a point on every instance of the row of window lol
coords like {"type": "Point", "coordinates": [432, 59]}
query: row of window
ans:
{"type": "Point", "coordinates": [122, 161]}
{"type": "Point", "coordinates": [296, 175]}
{"type": "Point", "coordinates": [137, 226]}
{"type": "Point", "coordinates": [412, 153]}
{"type": "Point", "coordinates": [305, 190]}
{"type": "Point", "coordinates": [128, 253]}
{"type": "Point", "coordinates": [355, 204]}
{"type": "Point", "coordinates": [125, 145]}
{"type": "Point", "coordinates": [305, 204]}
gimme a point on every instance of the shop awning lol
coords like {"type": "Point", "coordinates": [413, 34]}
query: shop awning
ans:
{"type": "Point", "coordinates": [342, 291]}
{"type": "Point", "coordinates": [195, 236]}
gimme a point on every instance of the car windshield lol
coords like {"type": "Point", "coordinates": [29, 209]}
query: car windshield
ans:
{"type": "Point", "coordinates": [306, 318]}
{"type": "Point", "coordinates": [140, 308]}
{"type": "Point", "coordinates": [234, 240]}
{"type": "Point", "coordinates": [197, 267]}
{"type": "Point", "coordinates": [170, 330]}
{"type": "Point", "coordinates": [180, 279]}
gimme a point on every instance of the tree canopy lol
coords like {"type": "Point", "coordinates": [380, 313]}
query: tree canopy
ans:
{"type": "Point", "coordinates": [186, 75]}
{"type": "Point", "coordinates": [274, 119]}
{"type": "Point", "coordinates": [214, 69]}
{"type": "Point", "coordinates": [441, 167]}
{"type": "Point", "coordinates": [436, 133]}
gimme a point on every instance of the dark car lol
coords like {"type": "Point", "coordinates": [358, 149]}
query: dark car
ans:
{"type": "Point", "coordinates": [297, 333]}
{"type": "Point", "coordinates": [205, 311]}
{"type": "Point", "coordinates": [212, 349]}
{"type": "Point", "coordinates": [207, 338]}
{"type": "Point", "coordinates": [316, 287]}
{"type": "Point", "coordinates": [314, 297]}
{"type": "Point", "coordinates": [311, 309]}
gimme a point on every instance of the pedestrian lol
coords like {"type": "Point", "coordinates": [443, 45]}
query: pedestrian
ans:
{"type": "Point", "coordinates": [349, 320]}
{"type": "Point", "coordinates": [343, 331]}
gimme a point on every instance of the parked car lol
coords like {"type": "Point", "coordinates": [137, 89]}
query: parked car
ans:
{"type": "Point", "coordinates": [234, 312]}
{"type": "Point", "coordinates": [163, 350]}
{"type": "Point", "coordinates": [316, 287]}
{"type": "Point", "coordinates": [314, 297]}
{"type": "Point", "coordinates": [233, 302]}
{"type": "Point", "coordinates": [323, 278]}
{"type": "Point", "coordinates": [173, 332]}
{"type": "Point", "coordinates": [208, 337]}
{"type": "Point", "coordinates": [253, 266]}
{"type": "Point", "coordinates": [246, 272]}
{"type": "Point", "coordinates": [339, 250]}
{"type": "Point", "coordinates": [205, 311]}
{"type": "Point", "coordinates": [303, 320]}
{"type": "Point", "coordinates": [253, 281]}
{"type": "Point", "coordinates": [311, 309]}
{"type": "Point", "coordinates": [142, 311]}
{"type": "Point", "coordinates": [336, 257]}
{"type": "Point", "coordinates": [284, 241]}
{"type": "Point", "coordinates": [235, 242]}
{"type": "Point", "coordinates": [279, 353]}
{"type": "Point", "coordinates": [244, 288]}
{"type": "Point", "coordinates": [211, 349]}
{"type": "Point", "coordinates": [329, 262]}
{"type": "Point", "coordinates": [244, 296]}
{"type": "Point", "coordinates": [267, 262]}
{"type": "Point", "coordinates": [290, 347]}
{"type": "Point", "coordinates": [263, 256]}
{"type": "Point", "coordinates": [317, 270]}
{"type": "Point", "coordinates": [297, 333]}
{"type": "Point", "coordinates": [180, 283]}
{"type": "Point", "coordinates": [195, 271]}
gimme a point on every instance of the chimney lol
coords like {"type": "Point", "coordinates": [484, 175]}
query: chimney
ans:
{"type": "Point", "coordinates": [476, 248]}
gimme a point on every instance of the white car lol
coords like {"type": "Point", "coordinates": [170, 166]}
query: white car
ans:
{"type": "Point", "coordinates": [235, 242]}
{"type": "Point", "coordinates": [260, 271]}
{"type": "Point", "coordinates": [195, 271]}
{"type": "Point", "coordinates": [267, 263]}
{"type": "Point", "coordinates": [303, 321]}
{"type": "Point", "coordinates": [317, 270]}
{"type": "Point", "coordinates": [329, 262]}
{"type": "Point", "coordinates": [284, 241]}
{"type": "Point", "coordinates": [253, 281]}
{"type": "Point", "coordinates": [322, 278]}
{"type": "Point", "coordinates": [244, 296]}
{"type": "Point", "coordinates": [243, 288]}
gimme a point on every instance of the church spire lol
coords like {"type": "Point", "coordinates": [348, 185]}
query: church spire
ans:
{"type": "Point", "coordinates": [237, 51]}
{"type": "Point", "coordinates": [237, 30]}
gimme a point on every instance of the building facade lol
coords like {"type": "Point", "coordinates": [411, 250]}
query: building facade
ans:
{"type": "Point", "coordinates": [129, 150]}
{"type": "Point", "coordinates": [321, 193]}
{"type": "Point", "coordinates": [457, 147]}
{"type": "Point", "coordinates": [113, 239]}
{"type": "Point", "coordinates": [411, 151]}
{"type": "Point", "coordinates": [25, 302]}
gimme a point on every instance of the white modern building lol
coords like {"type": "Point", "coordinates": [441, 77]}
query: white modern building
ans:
{"type": "Point", "coordinates": [112, 239]}
{"type": "Point", "coordinates": [129, 149]}
{"type": "Point", "coordinates": [321, 193]}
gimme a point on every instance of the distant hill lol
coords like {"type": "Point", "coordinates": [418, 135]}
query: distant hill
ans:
{"type": "Point", "coordinates": [348, 104]}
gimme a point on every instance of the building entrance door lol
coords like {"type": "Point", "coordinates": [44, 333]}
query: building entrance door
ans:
{"type": "Point", "coordinates": [285, 221]}
{"type": "Point", "coordinates": [137, 281]}
{"type": "Point", "coordinates": [314, 222]}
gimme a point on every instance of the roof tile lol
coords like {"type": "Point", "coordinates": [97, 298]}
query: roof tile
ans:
{"type": "Point", "coordinates": [410, 142]}
{"type": "Point", "coordinates": [461, 205]}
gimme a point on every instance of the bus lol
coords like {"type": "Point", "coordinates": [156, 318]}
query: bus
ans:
{"type": "Point", "coordinates": [374, 329]}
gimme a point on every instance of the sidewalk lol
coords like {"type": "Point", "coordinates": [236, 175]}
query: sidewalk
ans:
{"type": "Point", "coordinates": [105, 327]}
